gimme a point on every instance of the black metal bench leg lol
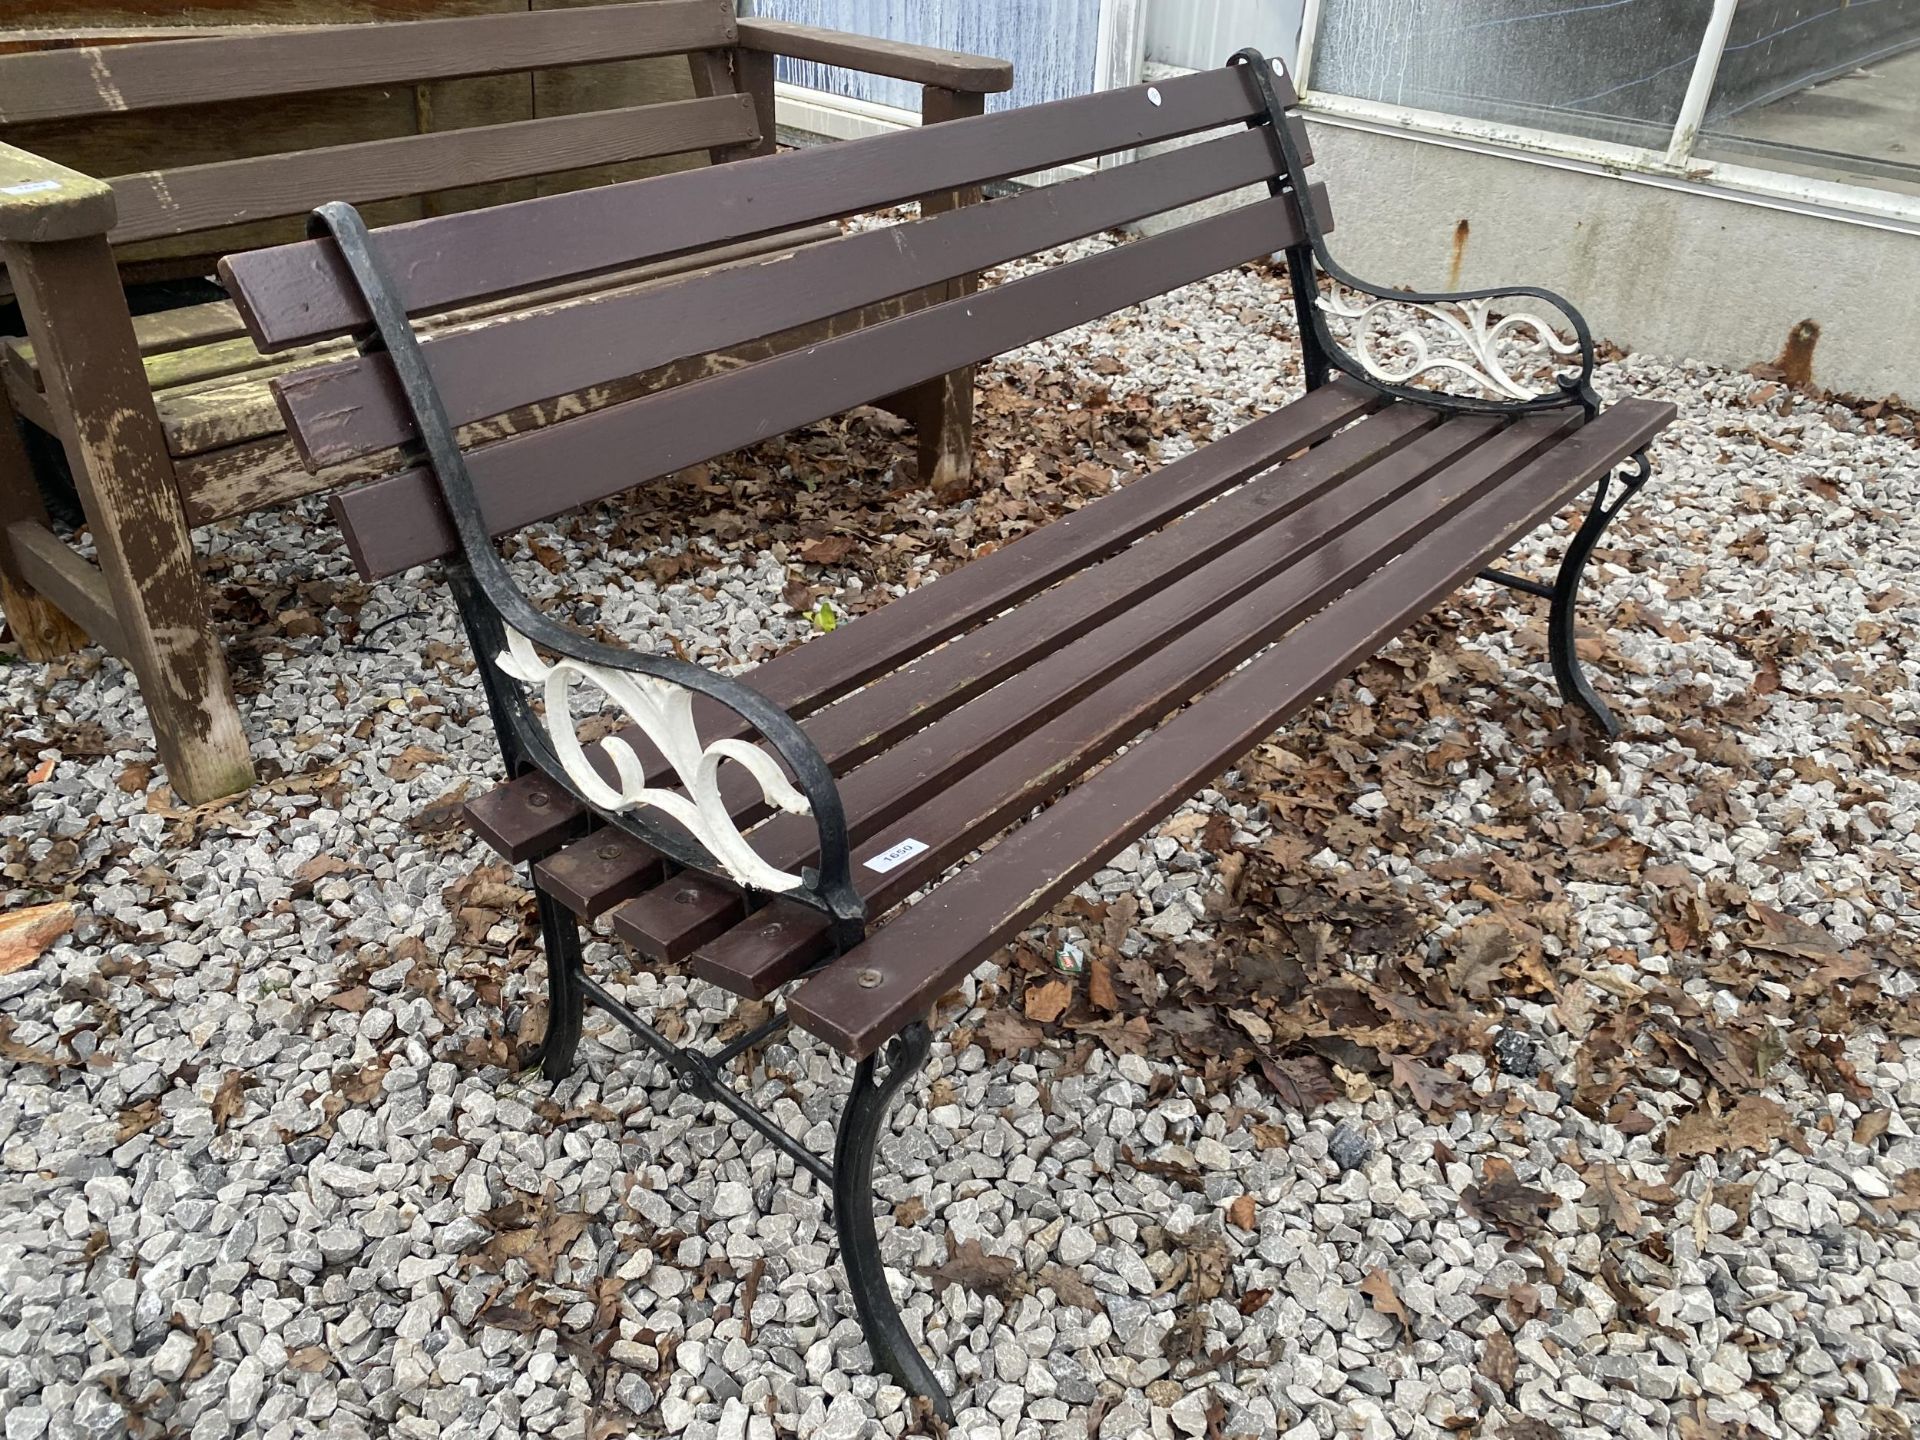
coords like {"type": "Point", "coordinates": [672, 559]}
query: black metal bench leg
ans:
{"type": "Point", "coordinates": [1567, 673]}
{"type": "Point", "coordinates": [566, 999]}
{"type": "Point", "coordinates": [874, 1087]}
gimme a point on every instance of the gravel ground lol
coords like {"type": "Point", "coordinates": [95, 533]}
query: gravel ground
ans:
{"type": "Point", "coordinates": [264, 1173]}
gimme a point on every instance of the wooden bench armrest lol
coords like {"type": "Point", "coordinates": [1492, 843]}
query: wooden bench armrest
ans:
{"type": "Point", "coordinates": [40, 200]}
{"type": "Point", "coordinates": [920, 64]}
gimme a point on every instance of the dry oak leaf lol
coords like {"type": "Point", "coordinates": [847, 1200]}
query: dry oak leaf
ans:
{"type": "Point", "coordinates": [971, 1268]}
{"type": "Point", "coordinates": [1047, 1003]}
{"type": "Point", "coordinates": [1906, 1198]}
{"type": "Point", "coordinates": [1241, 1212]}
{"type": "Point", "coordinates": [1755, 1123]}
{"type": "Point", "coordinates": [1607, 1188]}
{"type": "Point", "coordinates": [1008, 1034]}
{"type": "Point", "coordinates": [1071, 1289]}
{"type": "Point", "coordinates": [26, 934]}
{"type": "Point", "coordinates": [230, 1099]}
{"type": "Point", "coordinates": [1498, 1362]}
{"type": "Point", "coordinates": [1500, 1200]}
{"type": "Point", "coordinates": [1378, 1287]}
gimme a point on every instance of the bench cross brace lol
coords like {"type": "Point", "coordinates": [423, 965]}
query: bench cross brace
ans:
{"type": "Point", "coordinates": [848, 1176]}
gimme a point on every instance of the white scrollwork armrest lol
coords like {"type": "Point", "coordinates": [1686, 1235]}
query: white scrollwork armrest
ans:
{"type": "Point", "coordinates": [663, 712]}
{"type": "Point", "coordinates": [1456, 336]}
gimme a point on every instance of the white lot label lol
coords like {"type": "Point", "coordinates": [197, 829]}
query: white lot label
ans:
{"type": "Point", "coordinates": [30, 187]}
{"type": "Point", "coordinates": [895, 856]}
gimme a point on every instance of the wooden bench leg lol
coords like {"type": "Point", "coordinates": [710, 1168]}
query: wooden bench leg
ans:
{"type": "Point", "coordinates": [44, 631]}
{"type": "Point", "coordinates": [943, 407]}
{"type": "Point", "coordinates": [566, 998]}
{"type": "Point", "coordinates": [1567, 672]}
{"type": "Point", "coordinates": [70, 293]}
{"type": "Point", "coordinates": [874, 1086]}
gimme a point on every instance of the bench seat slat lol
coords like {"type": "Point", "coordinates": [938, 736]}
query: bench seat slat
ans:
{"type": "Point", "coordinates": [354, 407]}
{"type": "Point", "coordinates": [301, 292]}
{"type": "Point", "coordinates": [1216, 617]}
{"type": "Point", "coordinates": [1021, 668]}
{"type": "Point", "coordinates": [894, 637]}
{"type": "Point", "coordinates": [398, 522]}
{"type": "Point", "coordinates": [525, 818]}
{"type": "Point", "coordinates": [231, 192]}
{"type": "Point", "coordinates": [917, 955]}
{"type": "Point", "coordinates": [116, 79]}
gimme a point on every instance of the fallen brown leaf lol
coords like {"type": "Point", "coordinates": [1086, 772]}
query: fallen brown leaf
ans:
{"type": "Point", "coordinates": [1755, 1123]}
{"type": "Point", "coordinates": [972, 1268]}
{"type": "Point", "coordinates": [1241, 1212]}
{"type": "Point", "coordinates": [1498, 1362]}
{"type": "Point", "coordinates": [1378, 1287]}
{"type": "Point", "coordinates": [1047, 1003]}
{"type": "Point", "coordinates": [1500, 1200]}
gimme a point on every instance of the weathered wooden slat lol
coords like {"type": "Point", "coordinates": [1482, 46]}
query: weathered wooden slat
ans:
{"type": "Point", "coordinates": [203, 197]}
{"type": "Point", "coordinates": [527, 818]}
{"type": "Point", "coordinates": [295, 293]}
{"type": "Point", "coordinates": [920, 64]}
{"type": "Point", "coordinates": [353, 407]}
{"type": "Point", "coordinates": [113, 80]}
{"type": "Point", "coordinates": [399, 522]}
{"type": "Point", "coordinates": [894, 977]}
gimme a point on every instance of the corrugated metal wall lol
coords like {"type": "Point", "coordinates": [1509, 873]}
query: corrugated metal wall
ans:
{"type": "Point", "coordinates": [1051, 45]}
{"type": "Point", "coordinates": [1197, 34]}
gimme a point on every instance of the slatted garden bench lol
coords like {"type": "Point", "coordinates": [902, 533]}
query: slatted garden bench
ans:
{"type": "Point", "coordinates": [1036, 710]}
{"type": "Point", "coordinates": [166, 419]}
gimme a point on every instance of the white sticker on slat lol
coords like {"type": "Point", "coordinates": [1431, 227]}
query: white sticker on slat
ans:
{"type": "Point", "coordinates": [895, 856]}
{"type": "Point", "coordinates": [30, 187]}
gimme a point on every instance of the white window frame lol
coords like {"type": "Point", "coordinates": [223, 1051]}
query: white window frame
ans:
{"type": "Point", "coordinates": [1675, 167]}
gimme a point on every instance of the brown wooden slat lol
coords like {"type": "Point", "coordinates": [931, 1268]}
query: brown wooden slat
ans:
{"type": "Point", "coordinates": [399, 522]}
{"type": "Point", "coordinates": [963, 777]}
{"type": "Point", "coordinates": [895, 976]}
{"type": "Point", "coordinates": [216, 415]}
{"type": "Point", "coordinates": [1053, 645]}
{"type": "Point", "coordinates": [295, 293]}
{"type": "Point", "coordinates": [113, 80]}
{"type": "Point", "coordinates": [592, 875]}
{"type": "Point", "coordinates": [684, 907]}
{"type": "Point", "coordinates": [353, 407]}
{"type": "Point", "coordinates": [802, 680]}
{"type": "Point", "coordinates": [204, 197]}
{"type": "Point", "coordinates": [829, 666]}
{"type": "Point", "coordinates": [1065, 643]}
{"type": "Point", "coordinates": [1007, 785]}
{"type": "Point", "coordinates": [525, 818]}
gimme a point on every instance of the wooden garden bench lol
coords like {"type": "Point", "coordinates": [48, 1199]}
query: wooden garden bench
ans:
{"type": "Point", "coordinates": [167, 420]}
{"type": "Point", "coordinates": [1183, 617]}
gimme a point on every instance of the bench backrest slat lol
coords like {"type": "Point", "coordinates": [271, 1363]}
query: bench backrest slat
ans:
{"type": "Point", "coordinates": [113, 80]}
{"type": "Point", "coordinates": [301, 293]}
{"type": "Point", "coordinates": [202, 197]}
{"type": "Point", "coordinates": [397, 522]}
{"type": "Point", "coordinates": [353, 407]}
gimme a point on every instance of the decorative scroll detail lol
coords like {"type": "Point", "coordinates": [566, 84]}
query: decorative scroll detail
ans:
{"type": "Point", "coordinates": [1466, 325]}
{"type": "Point", "coordinates": [664, 712]}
